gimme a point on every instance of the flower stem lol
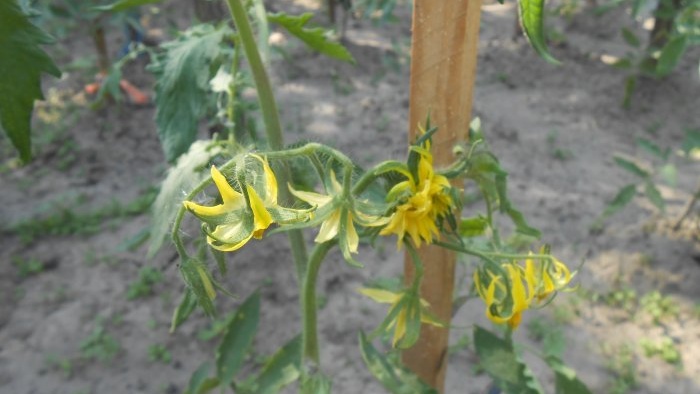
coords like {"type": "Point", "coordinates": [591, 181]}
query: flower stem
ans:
{"type": "Point", "coordinates": [270, 114]}
{"type": "Point", "coordinates": [308, 299]}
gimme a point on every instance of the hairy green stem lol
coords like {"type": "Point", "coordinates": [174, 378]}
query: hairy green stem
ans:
{"type": "Point", "coordinates": [270, 114]}
{"type": "Point", "coordinates": [309, 336]}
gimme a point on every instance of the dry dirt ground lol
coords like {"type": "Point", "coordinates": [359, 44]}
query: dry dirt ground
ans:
{"type": "Point", "coordinates": [556, 130]}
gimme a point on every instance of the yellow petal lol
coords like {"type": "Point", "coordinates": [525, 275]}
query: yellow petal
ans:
{"type": "Point", "coordinates": [228, 194]}
{"type": "Point", "coordinates": [400, 330]}
{"type": "Point", "coordinates": [329, 227]}
{"type": "Point", "coordinates": [228, 247]}
{"type": "Point", "coordinates": [203, 210]}
{"type": "Point", "coordinates": [380, 295]}
{"type": "Point", "coordinates": [270, 184]}
{"type": "Point", "coordinates": [520, 299]}
{"type": "Point", "coordinates": [351, 235]}
{"type": "Point", "coordinates": [311, 198]}
{"type": "Point", "coordinates": [262, 218]}
{"type": "Point", "coordinates": [337, 187]}
{"type": "Point", "coordinates": [208, 287]}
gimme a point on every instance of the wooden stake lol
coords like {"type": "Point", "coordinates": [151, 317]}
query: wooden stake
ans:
{"type": "Point", "coordinates": [443, 70]}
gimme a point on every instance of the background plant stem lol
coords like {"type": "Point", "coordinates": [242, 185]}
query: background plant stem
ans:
{"type": "Point", "coordinates": [270, 114]}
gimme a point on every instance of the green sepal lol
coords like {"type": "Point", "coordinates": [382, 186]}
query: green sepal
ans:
{"type": "Point", "coordinates": [396, 378]}
{"type": "Point", "coordinates": [195, 275]}
{"type": "Point", "coordinates": [22, 63]}
{"type": "Point", "coordinates": [183, 310]}
{"type": "Point", "coordinates": [220, 258]}
{"type": "Point", "coordinates": [237, 339]}
{"type": "Point", "coordinates": [413, 322]}
{"type": "Point", "coordinates": [343, 241]}
{"type": "Point", "coordinates": [315, 38]}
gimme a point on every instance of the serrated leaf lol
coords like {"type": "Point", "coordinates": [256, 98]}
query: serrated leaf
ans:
{"type": "Point", "coordinates": [282, 369]}
{"type": "Point", "coordinates": [183, 72]}
{"type": "Point", "coordinates": [622, 198]}
{"type": "Point", "coordinates": [652, 148]}
{"type": "Point", "coordinates": [632, 167]}
{"type": "Point", "coordinates": [654, 196]}
{"type": "Point", "coordinates": [184, 310]}
{"type": "Point", "coordinates": [237, 339]}
{"type": "Point", "coordinates": [671, 54]}
{"type": "Point", "coordinates": [315, 38]}
{"type": "Point", "coordinates": [531, 14]}
{"type": "Point", "coordinates": [124, 5]}
{"type": "Point", "coordinates": [473, 227]}
{"type": "Point", "coordinates": [395, 378]}
{"type": "Point", "coordinates": [630, 38]}
{"type": "Point", "coordinates": [566, 381]}
{"type": "Point", "coordinates": [500, 361]}
{"type": "Point", "coordinates": [200, 382]}
{"type": "Point", "coordinates": [189, 171]}
{"type": "Point", "coordinates": [22, 62]}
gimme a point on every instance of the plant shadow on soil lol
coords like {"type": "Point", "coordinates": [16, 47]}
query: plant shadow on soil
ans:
{"type": "Point", "coordinates": [70, 327]}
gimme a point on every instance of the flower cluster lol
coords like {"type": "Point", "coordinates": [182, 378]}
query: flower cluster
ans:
{"type": "Point", "coordinates": [424, 199]}
{"type": "Point", "coordinates": [244, 214]}
{"type": "Point", "coordinates": [511, 289]}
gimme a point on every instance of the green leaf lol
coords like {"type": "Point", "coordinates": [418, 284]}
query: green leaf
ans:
{"type": "Point", "coordinates": [237, 339]}
{"type": "Point", "coordinates": [190, 170]}
{"type": "Point", "coordinates": [473, 227]}
{"type": "Point", "coordinates": [653, 149]}
{"type": "Point", "coordinates": [22, 62]}
{"type": "Point", "coordinates": [669, 173]}
{"type": "Point", "coordinates": [632, 167]}
{"type": "Point", "coordinates": [184, 310]}
{"type": "Point", "coordinates": [220, 258]}
{"type": "Point", "coordinates": [630, 38]}
{"type": "Point", "coordinates": [654, 196]}
{"type": "Point", "coordinates": [282, 369]}
{"type": "Point", "coordinates": [395, 378]}
{"type": "Point", "coordinates": [531, 14]}
{"type": "Point", "coordinates": [500, 361]}
{"type": "Point", "coordinates": [315, 38]}
{"type": "Point", "coordinates": [623, 197]}
{"type": "Point", "coordinates": [123, 5]}
{"type": "Point", "coordinates": [200, 382]}
{"type": "Point", "coordinates": [183, 72]}
{"type": "Point", "coordinates": [671, 54]}
{"type": "Point", "coordinates": [566, 381]}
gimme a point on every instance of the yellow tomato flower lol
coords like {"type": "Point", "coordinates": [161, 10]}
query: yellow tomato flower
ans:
{"type": "Point", "coordinates": [425, 200]}
{"type": "Point", "coordinates": [231, 224]}
{"type": "Point", "coordinates": [546, 277]}
{"type": "Point", "coordinates": [337, 217]}
{"type": "Point", "coordinates": [502, 305]}
{"type": "Point", "coordinates": [403, 307]}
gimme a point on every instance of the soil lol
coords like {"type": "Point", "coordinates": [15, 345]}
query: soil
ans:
{"type": "Point", "coordinates": [555, 129]}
